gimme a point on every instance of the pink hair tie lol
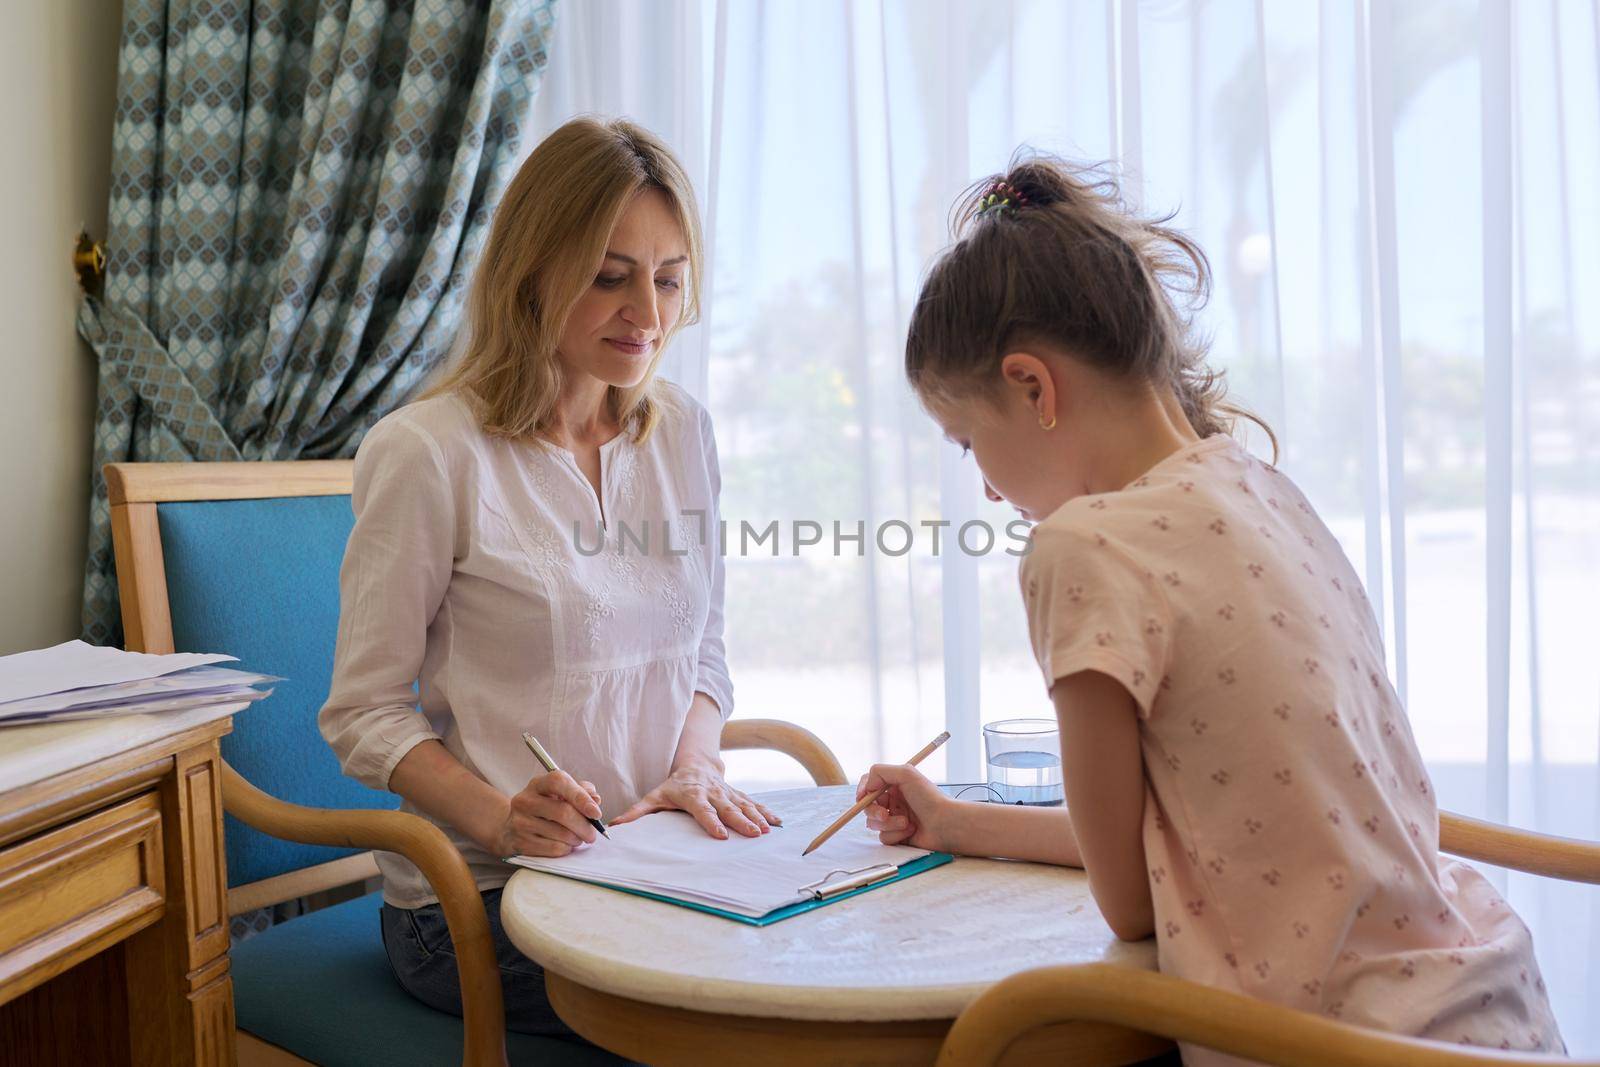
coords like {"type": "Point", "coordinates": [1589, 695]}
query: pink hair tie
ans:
{"type": "Point", "coordinates": [1002, 195]}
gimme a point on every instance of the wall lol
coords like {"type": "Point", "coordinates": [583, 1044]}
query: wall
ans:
{"type": "Point", "coordinates": [58, 70]}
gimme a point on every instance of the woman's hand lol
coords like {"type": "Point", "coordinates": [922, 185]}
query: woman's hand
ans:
{"type": "Point", "coordinates": [913, 812]}
{"type": "Point", "coordinates": [698, 788]}
{"type": "Point", "coordinates": [550, 817]}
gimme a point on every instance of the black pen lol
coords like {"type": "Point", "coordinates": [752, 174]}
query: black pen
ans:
{"type": "Point", "coordinates": [550, 765]}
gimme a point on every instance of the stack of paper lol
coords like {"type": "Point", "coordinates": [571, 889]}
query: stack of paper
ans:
{"type": "Point", "coordinates": [79, 681]}
{"type": "Point", "coordinates": [668, 854]}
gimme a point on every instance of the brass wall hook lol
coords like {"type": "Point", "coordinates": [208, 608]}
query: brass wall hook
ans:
{"type": "Point", "coordinates": [89, 262]}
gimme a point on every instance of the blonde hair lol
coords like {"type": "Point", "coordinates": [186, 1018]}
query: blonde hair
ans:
{"type": "Point", "coordinates": [1055, 256]}
{"type": "Point", "coordinates": [549, 234]}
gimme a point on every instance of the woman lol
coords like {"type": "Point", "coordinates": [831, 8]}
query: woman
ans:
{"type": "Point", "coordinates": [464, 576]}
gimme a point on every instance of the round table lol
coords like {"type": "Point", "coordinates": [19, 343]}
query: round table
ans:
{"type": "Point", "coordinates": [875, 979]}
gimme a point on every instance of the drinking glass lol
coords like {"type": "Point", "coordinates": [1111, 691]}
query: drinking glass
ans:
{"type": "Point", "coordinates": [1024, 757]}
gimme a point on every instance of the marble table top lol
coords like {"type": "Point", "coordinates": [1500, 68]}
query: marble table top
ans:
{"type": "Point", "coordinates": [922, 948]}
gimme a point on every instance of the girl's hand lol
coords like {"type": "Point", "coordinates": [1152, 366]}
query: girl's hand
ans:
{"type": "Point", "coordinates": [548, 818]}
{"type": "Point", "coordinates": [913, 812]}
{"type": "Point", "coordinates": [698, 788]}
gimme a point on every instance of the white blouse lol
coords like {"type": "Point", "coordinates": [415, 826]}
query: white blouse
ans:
{"type": "Point", "coordinates": [480, 582]}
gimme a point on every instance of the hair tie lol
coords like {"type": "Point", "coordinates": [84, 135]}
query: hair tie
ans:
{"type": "Point", "coordinates": [1000, 197]}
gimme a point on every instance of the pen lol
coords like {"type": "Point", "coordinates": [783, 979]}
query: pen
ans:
{"type": "Point", "coordinates": [861, 805]}
{"type": "Point", "coordinates": [550, 765]}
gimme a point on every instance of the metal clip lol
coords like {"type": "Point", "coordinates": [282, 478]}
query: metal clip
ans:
{"type": "Point", "coordinates": [822, 889]}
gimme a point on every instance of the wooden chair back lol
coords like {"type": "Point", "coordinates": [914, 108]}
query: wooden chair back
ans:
{"type": "Point", "coordinates": [244, 558]}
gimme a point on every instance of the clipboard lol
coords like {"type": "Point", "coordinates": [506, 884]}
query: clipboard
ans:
{"type": "Point", "coordinates": [757, 880]}
{"type": "Point", "coordinates": [840, 885]}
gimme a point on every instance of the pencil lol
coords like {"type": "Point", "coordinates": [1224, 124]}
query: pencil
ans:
{"type": "Point", "coordinates": [861, 805]}
{"type": "Point", "coordinates": [550, 765]}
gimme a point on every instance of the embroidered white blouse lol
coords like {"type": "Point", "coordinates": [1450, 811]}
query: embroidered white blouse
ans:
{"type": "Point", "coordinates": [482, 596]}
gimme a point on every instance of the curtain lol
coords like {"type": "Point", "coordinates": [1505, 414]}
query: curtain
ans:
{"type": "Point", "coordinates": [299, 192]}
{"type": "Point", "coordinates": [1401, 201]}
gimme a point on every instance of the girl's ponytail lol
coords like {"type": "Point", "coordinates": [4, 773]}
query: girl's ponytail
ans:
{"type": "Point", "coordinates": [1049, 252]}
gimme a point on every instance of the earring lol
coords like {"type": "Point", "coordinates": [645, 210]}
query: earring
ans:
{"type": "Point", "coordinates": [1043, 425]}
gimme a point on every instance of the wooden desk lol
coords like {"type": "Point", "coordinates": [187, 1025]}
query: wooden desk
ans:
{"type": "Point", "coordinates": [113, 917]}
{"type": "Point", "coordinates": [876, 979]}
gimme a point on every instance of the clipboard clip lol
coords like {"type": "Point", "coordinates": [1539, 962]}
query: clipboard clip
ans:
{"type": "Point", "coordinates": [822, 888]}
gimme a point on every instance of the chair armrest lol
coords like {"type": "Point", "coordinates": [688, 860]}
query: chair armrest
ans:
{"type": "Point", "coordinates": [796, 741]}
{"type": "Point", "coordinates": [1566, 858]}
{"type": "Point", "coordinates": [1187, 1011]}
{"type": "Point", "coordinates": [425, 845]}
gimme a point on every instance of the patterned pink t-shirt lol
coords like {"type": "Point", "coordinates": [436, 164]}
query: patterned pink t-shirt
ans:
{"type": "Point", "coordinates": [1290, 828]}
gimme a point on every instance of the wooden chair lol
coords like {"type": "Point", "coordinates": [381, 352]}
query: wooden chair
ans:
{"type": "Point", "coordinates": [244, 558]}
{"type": "Point", "coordinates": [1244, 1026]}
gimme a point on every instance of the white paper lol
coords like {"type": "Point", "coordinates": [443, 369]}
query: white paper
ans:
{"type": "Point", "coordinates": [184, 702]}
{"type": "Point", "coordinates": [76, 665]}
{"type": "Point", "coordinates": [668, 853]}
{"type": "Point", "coordinates": [194, 680]}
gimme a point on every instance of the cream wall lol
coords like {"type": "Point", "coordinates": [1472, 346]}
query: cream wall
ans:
{"type": "Point", "coordinates": [58, 70]}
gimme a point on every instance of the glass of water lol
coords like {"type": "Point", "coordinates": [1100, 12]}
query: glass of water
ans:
{"type": "Point", "coordinates": [1024, 757]}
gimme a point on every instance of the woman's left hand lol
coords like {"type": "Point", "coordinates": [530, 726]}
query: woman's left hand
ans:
{"type": "Point", "coordinates": [699, 789]}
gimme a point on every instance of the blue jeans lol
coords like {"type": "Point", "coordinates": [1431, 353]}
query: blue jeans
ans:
{"type": "Point", "coordinates": [424, 960]}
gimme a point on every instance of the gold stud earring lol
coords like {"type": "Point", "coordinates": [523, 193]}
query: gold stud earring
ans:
{"type": "Point", "coordinates": [1050, 425]}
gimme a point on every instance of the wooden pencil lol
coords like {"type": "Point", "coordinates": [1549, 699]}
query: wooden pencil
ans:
{"type": "Point", "coordinates": [861, 805]}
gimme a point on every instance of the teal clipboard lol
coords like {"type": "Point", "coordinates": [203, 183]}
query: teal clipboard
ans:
{"type": "Point", "coordinates": [906, 870]}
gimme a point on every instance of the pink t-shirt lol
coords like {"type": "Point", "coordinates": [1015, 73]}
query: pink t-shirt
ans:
{"type": "Point", "coordinates": [1290, 828]}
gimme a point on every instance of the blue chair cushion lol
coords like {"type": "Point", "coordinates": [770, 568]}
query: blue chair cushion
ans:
{"type": "Point", "coordinates": [259, 579]}
{"type": "Point", "coordinates": [320, 986]}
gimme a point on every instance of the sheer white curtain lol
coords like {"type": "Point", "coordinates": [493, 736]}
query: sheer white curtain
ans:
{"type": "Point", "coordinates": [1402, 206]}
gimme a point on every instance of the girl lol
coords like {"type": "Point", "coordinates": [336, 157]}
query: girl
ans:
{"type": "Point", "coordinates": [1241, 779]}
{"type": "Point", "coordinates": [463, 575]}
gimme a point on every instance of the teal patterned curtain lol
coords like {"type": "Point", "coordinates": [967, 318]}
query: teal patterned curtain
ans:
{"type": "Point", "coordinates": [299, 192]}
